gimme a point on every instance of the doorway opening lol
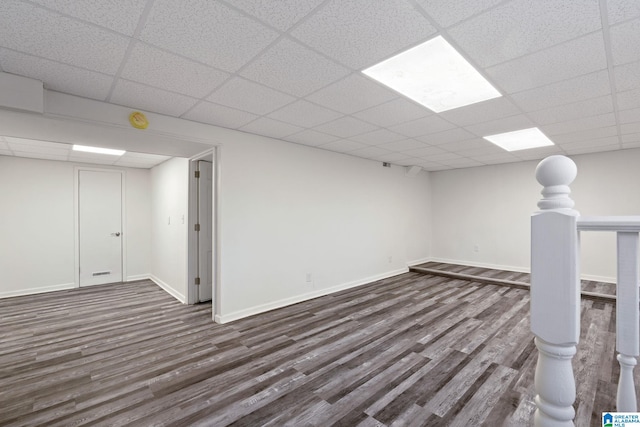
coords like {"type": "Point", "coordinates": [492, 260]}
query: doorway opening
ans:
{"type": "Point", "coordinates": [203, 269]}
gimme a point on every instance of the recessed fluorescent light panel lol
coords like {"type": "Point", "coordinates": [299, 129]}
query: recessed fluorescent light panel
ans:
{"type": "Point", "coordinates": [520, 139]}
{"type": "Point", "coordinates": [435, 75]}
{"type": "Point", "coordinates": [98, 150]}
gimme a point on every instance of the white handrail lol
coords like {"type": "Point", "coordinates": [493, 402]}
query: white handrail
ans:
{"type": "Point", "coordinates": [555, 294]}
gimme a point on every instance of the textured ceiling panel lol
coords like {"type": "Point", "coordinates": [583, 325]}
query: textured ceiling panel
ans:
{"type": "Point", "coordinates": [291, 69]}
{"type": "Point", "coordinates": [57, 76]}
{"type": "Point", "coordinates": [171, 72]}
{"type": "Point", "coordinates": [520, 27]}
{"type": "Point", "coordinates": [33, 30]}
{"type": "Point", "coordinates": [344, 30]}
{"type": "Point", "coordinates": [106, 13]}
{"type": "Point", "coordinates": [206, 31]}
{"type": "Point", "coordinates": [249, 96]}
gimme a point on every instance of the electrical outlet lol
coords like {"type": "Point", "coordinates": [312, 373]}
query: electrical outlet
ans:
{"type": "Point", "coordinates": [476, 248]}
{"type": "Point", "coordinates": [309, 279]}
{"type": "Point", "coordinates": [390, 259]}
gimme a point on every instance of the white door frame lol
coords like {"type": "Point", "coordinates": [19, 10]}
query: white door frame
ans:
{"type": "Point", "coordinates": [192, 290]}
{"type": "Point", "coordinates": [76, 219]}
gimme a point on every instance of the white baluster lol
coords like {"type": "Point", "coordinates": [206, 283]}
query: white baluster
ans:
{"type": "Point", "coordinates": [555, 293]}
{"type": "Point", "coordinates": [627, 319]}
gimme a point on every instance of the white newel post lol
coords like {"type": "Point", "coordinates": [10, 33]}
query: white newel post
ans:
{"type": "Point", "coordinates": [555, 292]}
{"type": "Point", "coordinates": [627, 319]}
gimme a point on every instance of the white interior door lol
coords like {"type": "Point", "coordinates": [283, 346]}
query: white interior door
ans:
{"type": "Point", "coordinates": [205, 235]}
{"type": "Point", "coordinates": [100, 227]}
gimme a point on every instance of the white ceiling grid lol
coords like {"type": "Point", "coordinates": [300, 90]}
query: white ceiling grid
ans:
{"type": "Point", "coordinates": [291, 69]}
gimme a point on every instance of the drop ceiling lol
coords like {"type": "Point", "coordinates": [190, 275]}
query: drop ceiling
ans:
{"type": "Point", "coordinates": [291, 69]}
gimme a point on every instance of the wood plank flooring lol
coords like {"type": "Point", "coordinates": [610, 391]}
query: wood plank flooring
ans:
{"type": "Point", "coordinates": [411, 350]}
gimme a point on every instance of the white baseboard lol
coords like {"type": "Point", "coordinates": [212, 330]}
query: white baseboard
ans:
{"type": "Point", "coordinates": [32, 291]}
{"type": "Point", "coordinates": [138, 277]}
{"type": "Point", "coordinates": [177, 295]}
{"type": "Point", "coordinates": [605, 279]}
{"type": "Point", "coordinates": [240, 314]}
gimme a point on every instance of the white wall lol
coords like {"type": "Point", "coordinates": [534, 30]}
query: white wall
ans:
{"type": "Point", "coordinates": [169, 221]}
{"type": "Point", "coordinates": [491, 207]}
{"type": "Point", "coordinates": [37, 225]}
{"type": "Point", "coordinates": [289, 210]}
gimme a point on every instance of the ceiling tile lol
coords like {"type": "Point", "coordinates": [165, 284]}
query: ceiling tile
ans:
{"type": "Point", "coordinates": [622, 10]}
{"type": "Point", "coordinates": [23, 148]}
{"type": "Point", "coordinates": [631, 137]}
{"type": "Point", "coordinates": [354, 93]}
{"type": "Point", "coordinates": [584, 123]}
{"type": "Point", "coordinates": [41, 156]}
{"type": "Point", "coordinates": [481, 150]}
{"type": "Point", "coordinates": [582, 135]}
{"type": "Point", "coordinates": [453, 11]}
{"type": "Point", "coordinates": [629, 99]}
{"type": "Point", "coordinates": [481, 112]}
{"type": "Point", "coordinates": [213, 114]}
{"type": "Point", "coordinates": [248, 96]}
{"type": "Point", "coordinates": [345, 127]}
{"type": "Point", "coordinates": [370, 152]}
{"type": "Point", "coordinates": [625, 39]}
{"type": "Point", "coordinates": [425, 152]}
{"type": "Point", "coordinates": [379, 136]}
{"type": "Point", "coordinates": [281, 14]}
{"type": "Point", "coordinates": [392, 157]}
{"type": "Point", "coordinates": [494, 159]}
{"type": "Point", "coordinates": [397, 111]}
{"type": "Point", "coordinates": [627, 76]}
{"type": "Point", "coordinates": [499, 126]}
{"type": "Point", "coordinates": [359, 35]}
{"type": "Point", "coordinates": [206, 31]}
{"type": "Point", "coordinates": [592, 149]}
{"type": "Point", "coordinates": [135, 95]}
{"type": "Point", "coordinates": [461, 163]}
{"type": "Point", "coordinates": [520, 27]}
{"type": "Point", "coordinates": [635, 144]}
{"type": "Point", "coordinates": [403, 145]}
{"type": "Point", "coordinates": [76, 43]}
{"type": "Point", "coordinates": [311, 137]}
{"type": "Point", "coordinates": [36, 143]}
{"type": "Point", "coordinates": [104, 160]}
{"type": "Point", "coordinates": [596, 142]}
{"type": "Point", "coordinates": [5, 152]}
{"type": "Point", "coordinates": [343, 146]}
{"type": "Point", "coordinates": [423, 126]}
{"type": "Point", "coordinates": [456, 134]}
{"type": "Point", "coordinates": [269, 127]}
{"type": "Point", "coordinates": [167, 71]}
{"type": "Point", "coordinates": [571, 59]}
{"type": "Point", "coordinates": [3, 145]}
{"type": "Point", "coordinates": [409, 161]}
{"type": "Point", "coordinates": [304, 114]}
{"type": "Point", "coordinates": [431, 166]}
{"type": "Point", "coordinates": [104, 13]}
{"type": "Point", "coordinates": [56, 76]}
{"type": "Point", "coordinates": [292, 68]}
{"type": "Point", "coordinates": [127, 164]}
{"type": "Point", "coordinates": [537, 153]}
{"type": "Point", "coordinates": [563, 113]}
{"type": "Point", "coordinates": [471, 144]}
{"type": "Point", "coordinates": [565, 92]}
{"type": "Point", "coordinates": [442, 157]}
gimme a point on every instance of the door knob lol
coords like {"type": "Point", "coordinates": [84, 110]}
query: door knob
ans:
{"type": "Point", "coordinates": [117, 234]}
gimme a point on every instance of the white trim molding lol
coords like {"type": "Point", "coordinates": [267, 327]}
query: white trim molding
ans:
{"type": "Point", "coordinates": [166, 287]}
{"type": "Point", "coordinates": [241, 314]}
{"type": "Point", "coordinates": [41, 290]}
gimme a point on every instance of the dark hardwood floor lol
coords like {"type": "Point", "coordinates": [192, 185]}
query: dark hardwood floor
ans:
{"type": "Point", "coordinates": [412, 350]}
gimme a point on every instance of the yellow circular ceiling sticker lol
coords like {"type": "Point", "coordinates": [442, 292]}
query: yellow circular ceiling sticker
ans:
{"type": "Point", "coordinates": [138, 120]}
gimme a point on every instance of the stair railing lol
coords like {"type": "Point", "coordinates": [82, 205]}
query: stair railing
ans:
{"type": "Point", "coordinates": [555, 294]}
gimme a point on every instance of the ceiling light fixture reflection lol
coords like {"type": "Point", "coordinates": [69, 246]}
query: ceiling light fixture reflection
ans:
{"type": "Point", "coordinates": [98, 150]}
{"type": "Point", "coordinates": [435, 75]}
{"type": "Point", "coordinates": [520, 139]}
